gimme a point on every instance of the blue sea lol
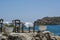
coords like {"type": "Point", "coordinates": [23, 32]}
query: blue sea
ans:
{"type": "Point", "coordinates": [52, 28]}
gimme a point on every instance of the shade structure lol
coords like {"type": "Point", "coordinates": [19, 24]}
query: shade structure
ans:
{"type": "Point", "coordinates": [16, 23]}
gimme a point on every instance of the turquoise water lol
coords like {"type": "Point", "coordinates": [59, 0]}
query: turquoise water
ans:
{"type": "Point", "coordinates": [52, 28]}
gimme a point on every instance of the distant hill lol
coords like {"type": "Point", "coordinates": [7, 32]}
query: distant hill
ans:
{"type": "Point", "coordinates": [48, 21]}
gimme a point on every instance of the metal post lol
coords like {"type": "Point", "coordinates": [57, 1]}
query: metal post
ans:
{"type": "Point", "coordinates": [22, 28]}
{"type": "Point", "coordinates": [34, 28]}
{"type": "Point", "coordinates": [1, 24]}
{"type": "Point", "coordinates": [29, 29]}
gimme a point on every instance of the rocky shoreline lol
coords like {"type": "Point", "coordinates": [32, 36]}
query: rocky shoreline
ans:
{"type": "Point", "coordinates": [29, 36]}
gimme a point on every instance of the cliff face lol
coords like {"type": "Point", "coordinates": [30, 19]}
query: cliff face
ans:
{"type": "Point", "coordinates": [48, 21]}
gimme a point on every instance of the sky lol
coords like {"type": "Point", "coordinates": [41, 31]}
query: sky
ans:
{"type": "Point", "coordinates": [28, 10]}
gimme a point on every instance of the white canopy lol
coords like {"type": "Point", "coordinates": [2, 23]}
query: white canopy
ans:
{"type": "Point", "coordinates": [28, 24]}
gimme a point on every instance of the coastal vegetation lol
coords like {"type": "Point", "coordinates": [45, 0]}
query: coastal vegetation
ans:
{"type": "Point", "coordinates": [6, 25]}
{"type": "Point", "coordinates": [11, 25]}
